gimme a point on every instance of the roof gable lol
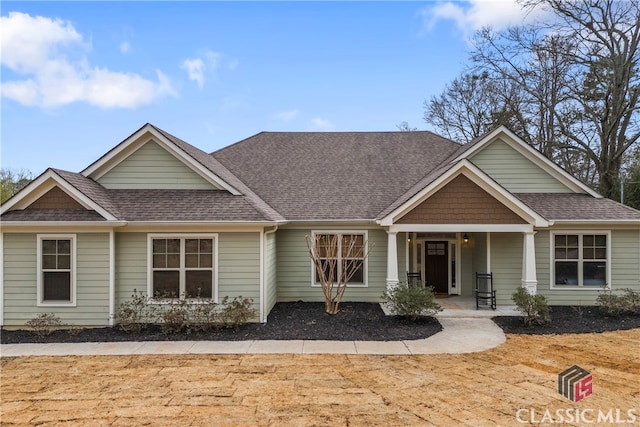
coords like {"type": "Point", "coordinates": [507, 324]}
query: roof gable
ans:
{"type": "Point", "coordinates": [151, 166]}
{"type": "Point", "coordinates": [190, 156]}
{"type": "Point", "coordinates": [471, 150]}
{"type": "Point", "coordinates": [460, 201]}
{"type": "Point", "coordinates": [439, 180]}
{"type": "Point", "coordinates": [62, 191]}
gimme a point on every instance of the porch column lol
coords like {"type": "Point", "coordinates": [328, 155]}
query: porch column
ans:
{"type": "Point", "coordinates": [529, 279]}
{"type": "Point", "coordinates": [392, 259]}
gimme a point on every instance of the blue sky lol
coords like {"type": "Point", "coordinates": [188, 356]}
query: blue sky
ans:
{"type": "Point", "coordinates": [79, 77]}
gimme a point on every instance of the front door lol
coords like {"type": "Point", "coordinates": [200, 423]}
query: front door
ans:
{"type": "Point", "coordinates": [436, 266]}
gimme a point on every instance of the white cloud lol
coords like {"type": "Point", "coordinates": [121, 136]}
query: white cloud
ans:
{"type": "Point", "coordinates": [207, 64]}
{"type": "Point", "coordinates": [470, 16]}
{"type": "Point", "coordinates": [51, 57]}
{"type": "Point", "coordinates": [320, 124]}
{"type": "Point", "coordinates": [287, 116]}
{"type": "Point", "coordinates": [125, 47]}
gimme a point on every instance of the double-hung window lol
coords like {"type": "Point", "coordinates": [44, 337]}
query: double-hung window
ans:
{"type": "Point", "coordinates": [341, 253]}
{"type": "Point", "coordinates": [56, 269]}
{"type": "Point", "coordinates": [580, 260]}
{"type": "Point", "coordinates": [182, 266]}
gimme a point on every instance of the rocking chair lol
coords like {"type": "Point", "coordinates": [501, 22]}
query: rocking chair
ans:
{"type": "Point", "coordinates": [485, 291]}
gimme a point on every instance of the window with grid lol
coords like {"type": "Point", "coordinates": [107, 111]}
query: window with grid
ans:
{"type": "Point", "coordinates": [56, 275]}
{"type": "Point", "coordinates": [340, 253]}
{"type": "Point", "coordinates": [182, 267]}
{"type": "Point", "coordinates": [580, 260]}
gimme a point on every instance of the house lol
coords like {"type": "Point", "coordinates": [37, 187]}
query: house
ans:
{"type": "Point", "coordinates": [156, 214]}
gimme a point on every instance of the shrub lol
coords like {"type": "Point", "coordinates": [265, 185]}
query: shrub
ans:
{"type": "Point", "coordinates": [534, 308]}
{"type": "Point", "coordinates": [136, 313]}
{"type": "Point", "coordinates": [407, 301]}
{"type": "Point", "coordinates": [237, 312]}
{"type": "Point", "coordinates": [619, 305]}
{"type": "Point", "coordinates": [44, 323]}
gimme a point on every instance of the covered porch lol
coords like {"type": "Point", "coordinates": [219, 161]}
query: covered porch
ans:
{"type": "Point", "coordinates": [448, 259]}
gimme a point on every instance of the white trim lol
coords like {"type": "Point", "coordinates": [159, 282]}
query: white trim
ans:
{"type": "Point", "coordinates": [532, 154]}
{"type": "Point", "coordinates": [73, 270]}
{"type": "Point", "coordinates": [454, 228]}
{"type": "Point", "coordinates": [392, 260]}
{"type": "Point", "coordinates": [365, 264]}
{"type": "Point", "coordinates": [44, 183]}
{"type": "Point", "coordinates": [130, 145]}
{"type": "Point", "coordinates": [182, 268]}
{"type": "Point", "coordinates": [112, 278]}
{"type": "Point", "coordinates": [264, 273]}
{"type": "Point", "coordinates": [469, 170]}
{"type": "Point", "coordinates": [488, 243]}
{"type": "Point", "coordinates": [1, 279]}
{"type": "Point", "coordinates": [580, 260]}
{"type": "Point", "coordinates": [423, 265]}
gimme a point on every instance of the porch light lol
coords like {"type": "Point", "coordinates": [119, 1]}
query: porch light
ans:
{"type": "Point", "coordinates": [465, 238]}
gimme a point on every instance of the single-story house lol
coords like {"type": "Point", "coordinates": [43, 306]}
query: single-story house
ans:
{"type": "Point", "coordinates": [156, 214]}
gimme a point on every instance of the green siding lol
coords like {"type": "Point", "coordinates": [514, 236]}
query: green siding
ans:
{"type": "Point", "coordinates": [272, 272]}
{"type": "Point", "coordinates": [294, 268]}
{"type": "Point", "coordinates": [514, 171]}
{"type": "Point", "coordinates": [238, 265]}
{"type": "Point", "coordinates": [92, 280]}
{"type": "Point", "coordinates": [152, 167]}
{"type": "Point", "coordinates": [506, 265]}
{"type": "Point", "coordinates": [625, 268]}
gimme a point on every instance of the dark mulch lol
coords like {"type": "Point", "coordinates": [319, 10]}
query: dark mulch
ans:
{"type": "Point", "coordinates": [570, 320]}
{"type": "Point", "coordinates": [287, 321]}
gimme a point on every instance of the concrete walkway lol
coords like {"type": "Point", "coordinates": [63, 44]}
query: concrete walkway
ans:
{"type": "Point", "coordinates": [459, 335]}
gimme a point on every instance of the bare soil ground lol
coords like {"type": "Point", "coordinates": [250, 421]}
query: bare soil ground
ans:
{"type": "Point", "coordinates": [478, 389]}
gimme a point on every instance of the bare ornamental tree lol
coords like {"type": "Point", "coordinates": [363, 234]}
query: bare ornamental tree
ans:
{"type": "Point", "coordinates": [338, 258]}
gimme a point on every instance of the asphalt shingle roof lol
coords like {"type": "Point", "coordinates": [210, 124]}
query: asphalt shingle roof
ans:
{"type": "Point", "coordinates": [577, 207]}
{"type": "Point", "coordinates": [334, 175]}
{"type": "Point", "coordinates": [52, 215]}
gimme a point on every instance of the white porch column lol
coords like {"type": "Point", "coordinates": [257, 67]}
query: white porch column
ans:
{"type": "Point", "coordinates": [392, 259]}
{"type": "Point", "coordinates": [529, 279]}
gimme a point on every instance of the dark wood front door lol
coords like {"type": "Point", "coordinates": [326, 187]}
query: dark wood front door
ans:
{"type": "Point", "coordinates": [436, 266]}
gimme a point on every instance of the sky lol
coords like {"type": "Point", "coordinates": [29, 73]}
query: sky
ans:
{"type": "Point", "coordinates": [77, 78]}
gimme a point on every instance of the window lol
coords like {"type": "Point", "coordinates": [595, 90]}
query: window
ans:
{"type": "Point", "coordinates": [182, 266]}
{"type": "Point", "coordinates": [56, 269]}
{"type": "Point", "coordinates": [580, 260]}
{"type": "Point", "coordinates": [341, 253]}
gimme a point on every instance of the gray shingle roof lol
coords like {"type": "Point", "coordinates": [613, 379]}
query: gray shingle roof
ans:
{"type": "Point", "coordinates": [96, 192]}
{"type": "Point", "coordinates": [334, 175]}
{"type": "Point", "coordinates": [577, 207]}
{"type": "Point", "coordinates": [52, 215]}
{"type": "Point", "coordinates": [184, 205]}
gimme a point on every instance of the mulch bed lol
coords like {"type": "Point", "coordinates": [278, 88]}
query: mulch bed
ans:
{"type": "Point", "coordinates": [287, 321]}
{"type": "Point", "coordinates": [570, 320]}
{"type": "Point", "coordinates": [355, 322]}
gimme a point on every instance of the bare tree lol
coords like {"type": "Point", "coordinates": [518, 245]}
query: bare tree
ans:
{"type": "Point", "coordinates": [581, 72]}
{"type": "Point", "coordinates": [337, 259]}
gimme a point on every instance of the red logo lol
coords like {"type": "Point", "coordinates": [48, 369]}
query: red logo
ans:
{"type": "Point", "coordinates": [575, 383]}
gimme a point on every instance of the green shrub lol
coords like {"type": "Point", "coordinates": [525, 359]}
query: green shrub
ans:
{"type": "Point", "coordinates": [619, 305]}
{"type": "Point", "coordinates": [44, 323]}
{"type": "Point", "coordinates": [136, 313]}
{"type": "Point", "coordinates": [411, 302]}
{"type": "Point", "coordinates": [534, 308]}
{"type": "Point", "coordinates": [237, 312]}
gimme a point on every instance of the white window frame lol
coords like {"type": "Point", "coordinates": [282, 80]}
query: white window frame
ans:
{"type": "Point", "coordinates": [73, 267]}
{"type": "Point", "coordinates": [365, 267]}
{"type": "Point", "coordinates": [182, 269]}
{"type": "Point", "coordinates": [552, 260]}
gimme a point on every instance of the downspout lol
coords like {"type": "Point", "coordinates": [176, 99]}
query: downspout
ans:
{"type": "Point", "coordinates": [112, 277]}
{"type": "Point", "coordinates": [264, 271]}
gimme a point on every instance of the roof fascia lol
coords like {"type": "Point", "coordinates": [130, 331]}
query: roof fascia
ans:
{"type": "Point", "coordinates": [532, 154]}
{"type": "Point", "coordinates": [45, 182]}
{"type": "Point", "coordinates": [130, 145]}
{"type": "Point", "coordinates": [468, 169]}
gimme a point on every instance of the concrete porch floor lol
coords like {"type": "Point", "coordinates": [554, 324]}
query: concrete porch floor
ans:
{"type": "Point", "coordinates": [462, 306]}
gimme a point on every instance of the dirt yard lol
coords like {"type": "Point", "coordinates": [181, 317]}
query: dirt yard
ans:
{"type": "Point", "coordinates": [510, 385]}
